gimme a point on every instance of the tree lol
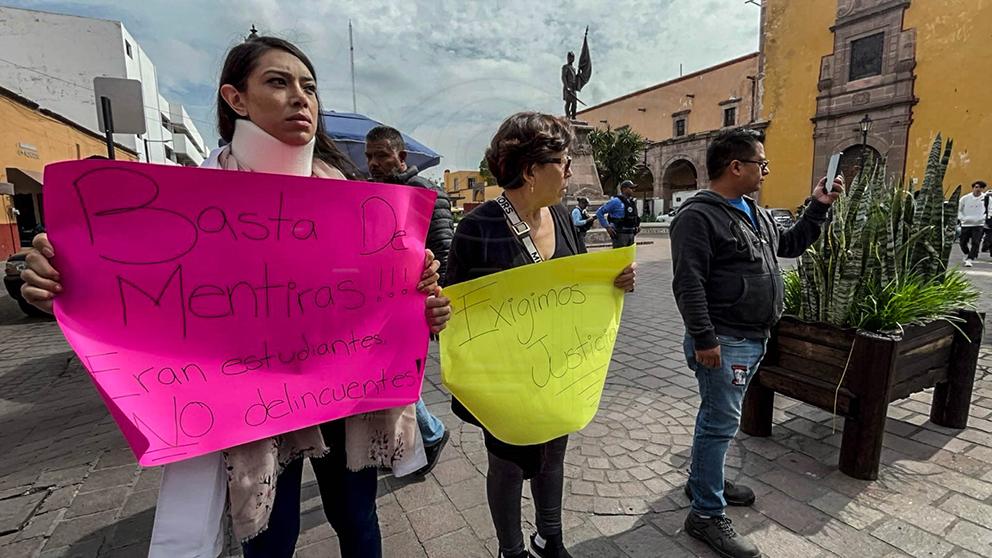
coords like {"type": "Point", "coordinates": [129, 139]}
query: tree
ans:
{"type": "Point", "coordinates": [618, 154]}
{"type": "Point", "coordinates": [484, 171]}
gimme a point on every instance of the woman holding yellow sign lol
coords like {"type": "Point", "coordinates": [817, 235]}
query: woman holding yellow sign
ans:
{"type": "Point", "coordinates": [527, 224]}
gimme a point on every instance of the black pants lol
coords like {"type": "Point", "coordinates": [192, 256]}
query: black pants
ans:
{"type": "Point", "coordinates": [971, 241]}
{"type": "Point", "coordinates": [570, 108]}
{"type": "Point", "coordinates": [987, 239]}
{"type": "Point", "coordinates": [348, 499]}
{"type": "Point", "coordinates": [504, 486]}
{"type": "Point", "coordinates": [623, 239]}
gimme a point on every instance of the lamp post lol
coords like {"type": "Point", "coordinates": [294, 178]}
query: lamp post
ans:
{"type": "Point", "coordinates": [865, 124]}
{"type": "Point", "coordinates": [147, 141]}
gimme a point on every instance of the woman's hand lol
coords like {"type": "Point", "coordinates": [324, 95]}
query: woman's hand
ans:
{"type": "Point", "coordinates": [438, 311]}
{"type": "Point", "coordinates": [41, 280]}
{"type": "Point", "coordinates": [625, 281]}
{"type": "Point", "coordinates": [430, 277]}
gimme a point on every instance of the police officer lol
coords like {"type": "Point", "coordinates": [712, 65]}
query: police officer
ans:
{"type": "Point", "coordinates": [619, 216]}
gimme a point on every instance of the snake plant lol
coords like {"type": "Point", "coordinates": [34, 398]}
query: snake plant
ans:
{"type": "Point", "coordinates": [882, 239]}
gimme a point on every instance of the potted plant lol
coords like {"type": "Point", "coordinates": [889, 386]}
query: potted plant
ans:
{"type": "Point", "coordinates": [873, 314]}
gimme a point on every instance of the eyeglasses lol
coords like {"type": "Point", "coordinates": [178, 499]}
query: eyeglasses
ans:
{"type": "Point", "coordinates": [761, 164]}
{"type": "Point", "coordinates": [559, 160]}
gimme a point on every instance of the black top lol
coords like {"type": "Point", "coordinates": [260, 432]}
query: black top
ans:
{"type": "Point", "coordinates": [483, 245]}
{"type": "Point", "coordinates": [442, 223]}
{"type": "Point", "coordinates": [727, 280]}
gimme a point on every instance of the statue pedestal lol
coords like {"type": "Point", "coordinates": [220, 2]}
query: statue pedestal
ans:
{"type": "Point", "coordinates": [585, 180]}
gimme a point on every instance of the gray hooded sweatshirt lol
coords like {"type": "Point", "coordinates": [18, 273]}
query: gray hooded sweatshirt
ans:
{"type": "Point", "coordinates": [727, 279]}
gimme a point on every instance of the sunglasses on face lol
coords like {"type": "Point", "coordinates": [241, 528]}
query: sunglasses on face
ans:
{"type": "Point", "coordinates": [560, 160]}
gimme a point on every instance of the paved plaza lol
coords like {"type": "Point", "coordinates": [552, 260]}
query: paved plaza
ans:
{"type": "Point", "coordinates": [69, 486]}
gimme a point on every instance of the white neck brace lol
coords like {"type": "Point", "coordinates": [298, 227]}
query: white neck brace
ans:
{"type": "Point", "coordinates": [255, 149]}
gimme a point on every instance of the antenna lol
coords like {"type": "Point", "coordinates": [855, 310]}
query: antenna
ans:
{"type": "Point", "coordinates": [351, 45]}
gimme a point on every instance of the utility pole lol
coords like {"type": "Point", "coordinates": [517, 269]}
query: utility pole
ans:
{"type": "Point", "coordinates": [351, 45]}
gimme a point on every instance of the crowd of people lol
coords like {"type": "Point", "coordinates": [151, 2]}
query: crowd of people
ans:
{"type": "Point", "coordinates": [727, 285]}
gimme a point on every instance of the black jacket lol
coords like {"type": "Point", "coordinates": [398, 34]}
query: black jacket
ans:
{"type": "Point", "coordinates": [442, 227]}
{"type": "Point", "coordinates": [483, 245]}
{"type": "Point", "coordinates": [727, 280]}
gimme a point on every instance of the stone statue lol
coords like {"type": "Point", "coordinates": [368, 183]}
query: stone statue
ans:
{"type": "Point", "coordinates": [571, 81]}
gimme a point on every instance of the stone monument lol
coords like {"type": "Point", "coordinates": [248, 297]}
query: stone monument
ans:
{"type": "Point", "coordinates": [585, 179]}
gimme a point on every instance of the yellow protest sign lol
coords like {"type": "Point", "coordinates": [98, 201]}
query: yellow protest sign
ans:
{"type": "Point", "coordinates": [527, 349]}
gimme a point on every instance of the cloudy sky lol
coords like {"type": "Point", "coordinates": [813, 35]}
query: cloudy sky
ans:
{"type": "Point", "coordinates": [444, 71]}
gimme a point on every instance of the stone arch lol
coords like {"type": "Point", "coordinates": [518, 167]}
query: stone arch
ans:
{"type": "Point", "coordinates": [680, 175]}
{"type": "Point", "coordinates": [850, 161]}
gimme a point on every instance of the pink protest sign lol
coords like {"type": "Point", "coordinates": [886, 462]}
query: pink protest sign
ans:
{"type": "Point", "coordinates": [213, 308]}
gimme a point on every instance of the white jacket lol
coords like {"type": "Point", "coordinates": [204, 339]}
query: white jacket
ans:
{"type": "Point", "coordinates": [971, 210]}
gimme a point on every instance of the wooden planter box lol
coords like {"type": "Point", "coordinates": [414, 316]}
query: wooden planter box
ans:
{"type": "Point", "coordinates": [806, 360]}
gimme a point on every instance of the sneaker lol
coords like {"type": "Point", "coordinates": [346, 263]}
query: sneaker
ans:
{"type": "Point", "coordinates": [719, 533]}
{"type": "Point", "coordinates": [734, 494]}
{"type": "Point", "coordinates": [523, 554]}
{"type": "Point", "coordinates": [433, 452]}
{"type": "Point", "coordinates": [553, 548]}
{"type": "Point", "coordinates": [968, 263]}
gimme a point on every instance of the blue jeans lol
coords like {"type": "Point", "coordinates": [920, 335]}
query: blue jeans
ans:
{"type": "Point", "coordinates": [721, 391]}
{"type": "Point", "coordinates": [431, 427]}
{"type": "Point", "coordinates": [347, 497]}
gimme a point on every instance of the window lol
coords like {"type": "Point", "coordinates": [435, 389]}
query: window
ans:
{"type": "Point", "coordinates": [456, 184]}
{"type": "Point", "coordinates": [127, 48]}
{"type": "Point", "coordinates": [680, 127]}
{"type": "Point", "coordinates": [730, 116]}
{"type": "Point", "coordinates": [866, 56]}
{"type": "Point", "coordinates": [471, 183]}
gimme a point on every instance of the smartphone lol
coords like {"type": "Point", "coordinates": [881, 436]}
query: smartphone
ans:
{"type": "Point", "coordinates": [832, 171]}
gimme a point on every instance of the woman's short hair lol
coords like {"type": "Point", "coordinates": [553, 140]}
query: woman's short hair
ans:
{"type": "Point", "coordinates": [523, 140]}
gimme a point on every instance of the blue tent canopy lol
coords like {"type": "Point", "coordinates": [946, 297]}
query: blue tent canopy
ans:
{"type": "Point", "coordinates": [348, 131]}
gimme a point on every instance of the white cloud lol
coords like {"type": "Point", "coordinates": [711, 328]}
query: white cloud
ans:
{"type": "Point", "coordinates": [445, 71]}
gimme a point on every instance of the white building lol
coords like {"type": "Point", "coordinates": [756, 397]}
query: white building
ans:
{"type": "Point", "coordinates": [53, 58]}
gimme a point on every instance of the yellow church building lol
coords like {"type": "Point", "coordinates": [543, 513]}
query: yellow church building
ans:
{"type": "Point", "coordinates": [887, 74]}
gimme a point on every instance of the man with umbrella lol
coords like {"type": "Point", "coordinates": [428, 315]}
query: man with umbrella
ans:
{"type": "Point", "coordinates": [385, 152]}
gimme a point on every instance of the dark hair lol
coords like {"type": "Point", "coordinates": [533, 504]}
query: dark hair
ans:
{"type": "Point", "coordinates": [240, 63]}
{"type": "Point", "coordinates": [980, 184]}
{"type": "Point", "coordinates": [734, 144]}
{"type": "Point", "coordinates": [387, 134]}
{"type": "Point", "coordinates": [523, 140]}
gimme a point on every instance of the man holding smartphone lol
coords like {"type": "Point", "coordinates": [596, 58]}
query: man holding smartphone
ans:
{"type": "Point", "coordinates": [729, 290]}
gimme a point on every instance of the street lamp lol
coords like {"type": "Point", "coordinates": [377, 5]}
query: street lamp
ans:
{"type": "Point", "coordinates": [865, 124]}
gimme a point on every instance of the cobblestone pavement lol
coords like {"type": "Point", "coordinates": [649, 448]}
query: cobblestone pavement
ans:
{"type": "Point", "coordinates": [70, 487]}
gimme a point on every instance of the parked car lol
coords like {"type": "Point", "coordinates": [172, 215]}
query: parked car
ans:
{"type": "Point", "coordinates": [12, 281]}
{"type": "Point", "coordinates": [666, 219]}
{"type": "Point", "coordinates": [783, 217]}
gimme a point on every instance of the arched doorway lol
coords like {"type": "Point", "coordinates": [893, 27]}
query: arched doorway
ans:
{"type": "Point", "coordinates": [679, 179]}
{"type": "Point", "coordinates": [644, 190]}
{"type": "Point", "coordinates": [850, 161]}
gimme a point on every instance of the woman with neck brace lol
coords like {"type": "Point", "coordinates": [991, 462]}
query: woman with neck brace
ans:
{"type": "Point", "coordinates": [267, 109]}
